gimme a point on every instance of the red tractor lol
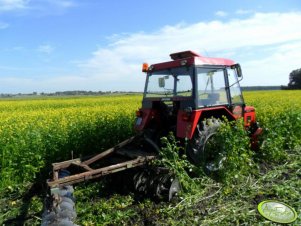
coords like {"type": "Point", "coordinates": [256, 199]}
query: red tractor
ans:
{"type": "Point", "coordinates": [189, 96]}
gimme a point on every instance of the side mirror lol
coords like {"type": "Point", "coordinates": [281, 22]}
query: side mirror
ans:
{"type": "Point", "coordinates": [238, 70]}
{"type": "Point", "coordinates": [161, 82]}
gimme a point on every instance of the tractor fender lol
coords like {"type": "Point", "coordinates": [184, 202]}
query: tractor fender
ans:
{"type": "Point", "coordinates": [187, 121]}
{"type": "Point", "coordinates": [145, 115]}
{"type": "Point", "coordinates": [249, 116]}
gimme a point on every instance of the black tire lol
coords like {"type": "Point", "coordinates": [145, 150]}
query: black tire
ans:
{"type": "Point", "coordinates": [204, 149]}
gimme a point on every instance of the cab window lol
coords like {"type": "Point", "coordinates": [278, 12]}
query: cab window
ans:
{"type": "Point", "coordinates": [235, 91]}
{"type": "Point", "coordinates": [211, 87]}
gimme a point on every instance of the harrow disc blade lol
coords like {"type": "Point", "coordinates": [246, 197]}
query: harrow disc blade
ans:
{"type": "Point", "coordinates": [157, 184]}
{"type": "Point", "coordinates": [174, 189]}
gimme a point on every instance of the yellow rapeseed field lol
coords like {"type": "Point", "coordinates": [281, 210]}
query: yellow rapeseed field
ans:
{"type": "Point", "coordinates": [36, 132]}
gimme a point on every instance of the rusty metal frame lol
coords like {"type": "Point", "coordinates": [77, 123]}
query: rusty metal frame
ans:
{"type": "Point", "coordinates": [91, 173]}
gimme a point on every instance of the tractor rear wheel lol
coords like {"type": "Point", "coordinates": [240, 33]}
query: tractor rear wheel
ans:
{"type": "Point", "coordinates": [204, 149]}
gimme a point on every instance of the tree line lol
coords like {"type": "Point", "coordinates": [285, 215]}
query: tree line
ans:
{"type": "Point", "coordinates": [67, 93]}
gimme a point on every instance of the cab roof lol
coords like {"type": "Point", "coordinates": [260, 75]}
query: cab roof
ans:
{"type": "Point", "coordinates": [191, 58]}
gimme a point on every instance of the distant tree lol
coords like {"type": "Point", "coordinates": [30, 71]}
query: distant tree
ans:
{"type": "Point", "coordinates": [295, 79]}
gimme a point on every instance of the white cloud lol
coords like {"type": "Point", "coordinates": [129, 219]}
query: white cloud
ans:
{"type": "Point", "coordinates": [243, 11]}
{"type": "Point", "coordinates": [42, 6]}
{"type": "Point", "coordinates": [275, 67]}
{"type": "Point", "coordinates": [221, 13]}
{"type": "Point", "coordinates": [9, 5]}
{"type": "Point", "coordinates": [258, 30]}
{"type": "Point", "coordinates": [45, 49]}
{"type": "Point", "coordinates": [246, 40]}
{"type": "Point", "coordinates": [12, 84]}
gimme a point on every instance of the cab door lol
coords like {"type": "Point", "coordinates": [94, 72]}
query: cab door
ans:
{"type": "Point", "coordinates": [236, 98]}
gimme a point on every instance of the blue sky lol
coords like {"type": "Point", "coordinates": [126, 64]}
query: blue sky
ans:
{"type": "Point", "coordinates": [57, 45]}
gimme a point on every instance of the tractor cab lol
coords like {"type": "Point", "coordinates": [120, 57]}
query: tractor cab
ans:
{"type": "Point", "coordinates": [195, 86]}
{"type": "Point", "coordinates": [180, 93]}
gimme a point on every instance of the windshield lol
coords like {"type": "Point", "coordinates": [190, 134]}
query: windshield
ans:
{"type": "Point", "coordinates": [169, 83]}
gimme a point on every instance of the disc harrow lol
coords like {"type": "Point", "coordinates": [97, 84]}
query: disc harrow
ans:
{"type": "Point", "coordinates": [136, 152]}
